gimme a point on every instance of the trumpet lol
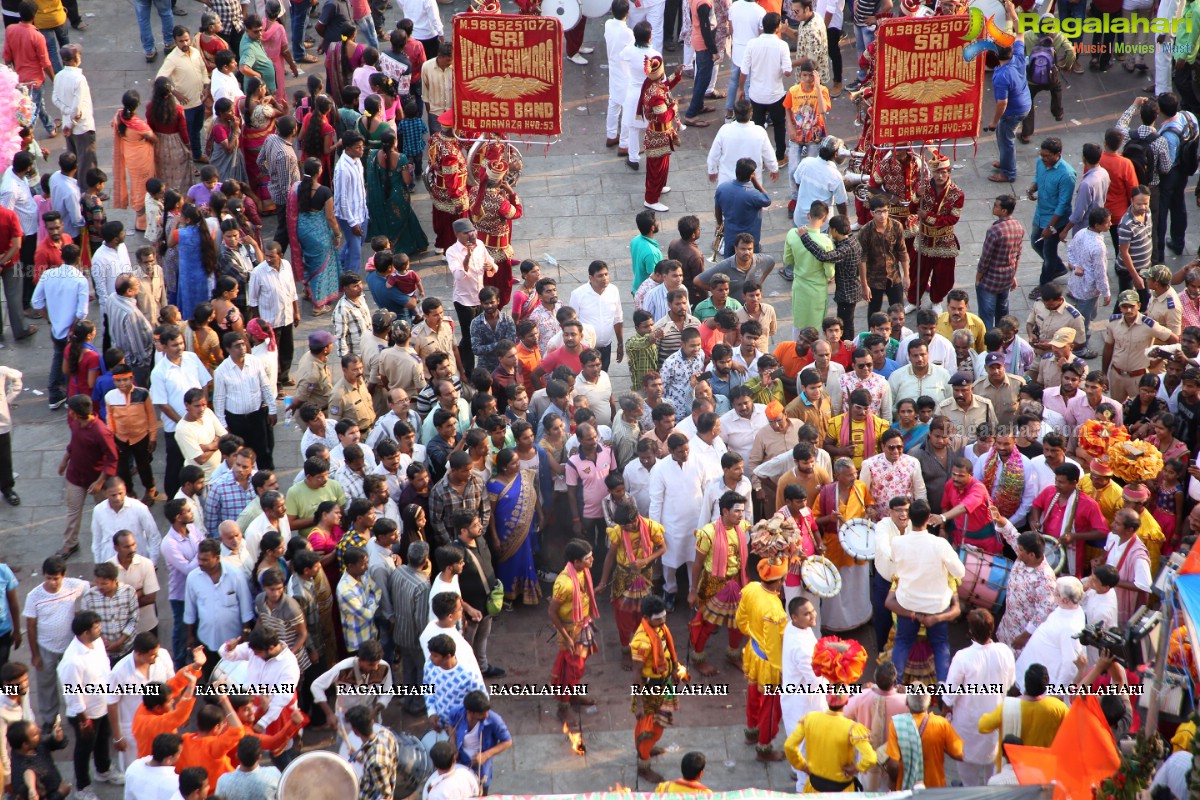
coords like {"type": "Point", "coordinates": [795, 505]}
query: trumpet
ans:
{"type": "Point", "coordinates": [856, 95]}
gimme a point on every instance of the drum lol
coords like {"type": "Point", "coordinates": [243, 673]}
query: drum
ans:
{"type": "Point", "coordinates": [821, 577]}
{"type": "Point", "coordinates": [857, 537]}
{"type": "Point", "coordinates": [1056, 555]}
{"type": "Point", "coordinates": [318, 775]}
{"type": "Point", "coordinates": [413, 766]}
{"type": "Point", "coordinates": [986, 582]}
{"type": "Point", "coordinates": [568, 12]}
{"type": "Point", "coordinates": [596, 8]}
{"type": "Point", "coordinates": [230, 672]}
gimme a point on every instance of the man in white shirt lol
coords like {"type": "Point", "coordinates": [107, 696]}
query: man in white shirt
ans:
{"type": "Point", "coordinates": [598, 303]}
{"type": "Point", "coordinates": [243, 398]}
{"type": "Point", "coordinates": [676, 491]}
{"type": "Point", "coordinates": [741, 423]}
{"type": "Point", "coordinates": [199, 433]}
{"type": "Point", "coordinates": [1054, 644]}
{"type": "Point", "coordinates": [148, 663]}
{"type": "Point", "coordinates": [137, 572]}
{"type": "Point", "coordinates": [367, 668]}
{"type": "Point", "coordinates": [350, 200]}
{"type": "Point", "coordinates": [175, 373]}
{"type": "Point", "coordinates": [817, 178]}
{"type": "Point", "coordinates": [271, 664]}
{"type": "Point", "coordinates": [15, 195]}
{"type": "Point", "coordinates": [450, 780]}
{"type": "Point", "coordinates": [742, 139]}
{"type": "Point", "coordinates": [618, 36]}
{"type": "Point", "coordinates": [924, 565]}
{"type": "Point", "coordinates": [941, 351]}
{"type": "Point", "coordinates": [110, 260]}
{"type": "Point", "coordinates": [765, 64]}
{"type": "Point", "coordinates": [122, 513]}
{"type": "Point", "coordinates": [63, 293]}
{"type": "Point", "coordinates": [234, 553]}
{"type": "Point", "coordinates": [74, 99]}
{"type": "Point", "coordinates": [1125, 552]}
{"type": "Point", "coordinates": [153, 777]}
{"type": "Point", "coordinates": [86, 662]}
{"type": "Point", "coordinates": [223, 80]}
{"type": "Point", "coordinates": [919, 378]}
{"type": "Point", "coordinates": [745, 18]}
{"type": "Point", "coordinates": [985, 663]}
{"type": "Point", "coordinates": [469, 262]}
{"type": "Point", "coordinates": [272, 291]}
{"type": "Point", "coordinates": [273, 518]}
{"type": "Point", "coordinates": [1174, 772]}
{"type": "Point", "coordinates": [634, 58]}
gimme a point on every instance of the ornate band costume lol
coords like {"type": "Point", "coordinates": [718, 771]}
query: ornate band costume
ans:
{"type": "Point", "coordinates": [899, 180]}
{"type": "Point", "coordinates": [938, 210]}
{"type": "Point", "coordinates": [494, 206]}
{"type": "Point", "coordinates": [447, 179]}
{"type": "Point", "coordinates": [657, 107]}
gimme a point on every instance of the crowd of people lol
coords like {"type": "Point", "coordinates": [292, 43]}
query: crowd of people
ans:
{"type": "Point", "coordinates": [455, 472]}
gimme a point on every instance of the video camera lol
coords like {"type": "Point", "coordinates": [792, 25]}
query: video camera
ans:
{"type": "Point", "coordinates": [1129, 645]}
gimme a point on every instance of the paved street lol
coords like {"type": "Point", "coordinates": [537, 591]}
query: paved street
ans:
{"type": "Point", "coordinates": [579, 204]}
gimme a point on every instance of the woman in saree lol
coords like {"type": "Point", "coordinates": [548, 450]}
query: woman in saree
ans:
{"type": "Point", "coordinates": [317, 137]}
{"type": "Point", "coordinates": [275, 43]}
{"type": "Point", "coordinates": [210, 40]}
{"type": "Point", "coordinates": [324, 536]}
{"type": "Point", "coordinates": [313, 227]}
{"type": "Point", "coordinates": [412, 523]}
{"type": "Point", "coordinates": [133, 155]}
{"type": "Point", "coordinates": [914, 431]}
{"type": "Point", "coordinates": [342, 58]}
{"type": "Point", "coordinates": [258, 112]}
{"type": "Point", "coordinates": [389, 185]}
{"type": "Point", "coordinates": [200, 338]}
{"type": "Point", "coordinates": [514, 507]}
{"type": "Point", "coordinates": [225, 145]}
{"type": "Point", "coordinates": [372, 124]}
{"type": "Point", "coordinates": [172, 148]}
{"type": "Point", "coordinates": [197, 253]}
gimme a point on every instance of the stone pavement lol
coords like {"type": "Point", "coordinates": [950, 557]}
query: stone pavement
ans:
{"type": "Point", "coordinates": [579, 203]}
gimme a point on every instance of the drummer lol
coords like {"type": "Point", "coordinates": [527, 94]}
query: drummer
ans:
{"type": "Point", "coordinates": [890, 474]}
{"type": "Point", "coordinates": [718, 575]}
{"type": "Point", "coordinates": [846, 499]}
{"type": "Point", "coordinates": [1067, 514]}
{"type": "Point", "coordinates": [367, 668]}
{"type": "Point", "coordinates": [925, 565]}
{"type": "Point", "coordinates": [1030, 588]}
{"type": "Point", "coordinates": [795, 508]}
{"type": "Point", "coordinates": [966, 502]}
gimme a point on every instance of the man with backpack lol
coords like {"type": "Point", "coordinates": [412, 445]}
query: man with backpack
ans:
{"type": "Point", "coordinates": [1182, 135]}
{"type": "Point", "coordinates": [1150, 156]}
{"type": "Point", "coordinates": [1042, 73]}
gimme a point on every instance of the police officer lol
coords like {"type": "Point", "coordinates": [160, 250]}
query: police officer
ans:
{"type": "Point", "coordinates": [313, 382]}
{"type": "Point", "coordinates": [1048, 315]}
{"type": "Point", "coordinates": [351, 398]}
{"type": "Point", "coordinates": [1163, 307]}
{"type": "Point", "coordinates": [1126, 338]}
{"type": "Point", "coordinates": [999, 387]}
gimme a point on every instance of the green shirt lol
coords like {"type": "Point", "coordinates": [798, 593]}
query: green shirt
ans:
{"type": "Point", "coordinates": [302, 501]}
{"type": "Point", "coordinates": [706, 308]}
{"type": "Point", "coordinates": [254, 56]}
{"type": "Point", "coordinates": [645, 254]}
{"type": "Point", "coordinates": [642, 352]}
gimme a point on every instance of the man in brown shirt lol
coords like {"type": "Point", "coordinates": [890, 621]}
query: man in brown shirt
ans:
{"type": "Point", "coordinates": [806, 473]}
{"type": "Point", "coordinates": [131, 417]}
{"type": "Point", "coordinates": [884, 257]}
{"type": "Point", "coordinates": [687, 252]}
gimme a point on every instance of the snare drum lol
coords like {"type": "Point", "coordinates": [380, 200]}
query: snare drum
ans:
{"type": "Point", "coordinates": [857, 537]}
{"type": "Point", "coordinates": [318, 775]}
{"type": "Point", "coordinates": [821, 577]}
{"type": "Point", "coordinates": [986, 582]}
{"type": "Point", "coordinates": [1056, 554]}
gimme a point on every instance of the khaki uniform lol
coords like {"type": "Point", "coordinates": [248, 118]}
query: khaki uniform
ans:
{"type": "Point", "coordinates": [1046, 322]}
{"type": "Point", "coordinates": [1129, 360]}
{"type": "Point", "coordinates": [1003, 397]}
{"type": "Point", "coordinates": [966, 422]}
{"type": "Point", "coordinates": [1166, 310]}
{"type": "Point", "coordinates": [373, 348]}
{"type": "Point", "coordinates": [399, 367]}
{"type": "Point", "coordinates": [313, 382]}
{"type": "Point", "coordinates": [424, 341]}
{"type": "Point", "coordinates": [352, 402]}
{"type": "Point", "coordinates": [1047, 371]}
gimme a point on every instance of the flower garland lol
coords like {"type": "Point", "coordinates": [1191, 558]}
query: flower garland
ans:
{"type": "Point", "coordinates": [1135, 772]}
{"type": "Point", "coordinates": [1135, 461]}
{"type": "Point", "coordinates": [838, 660]}
{"type": "Point", "coordinates": [1097, 435]}
{"type": "Point", "coordinates": [16, 111]}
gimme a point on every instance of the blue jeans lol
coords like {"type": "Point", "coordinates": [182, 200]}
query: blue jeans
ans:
{"type": "Point", "coordinates": [1087, 309]}
{"type": "Point", "coordinates": [195, 124]}
{"type": "Point", "coordinates": [1069, 10]}
{"type": "Point", "coordinates": [735, 75]}
{"type": "Point", "coordinates": [882, 620]}
{"type": "Point", "coordinates": [299, 19]}
{"type": "Point", "coordinates": [939, 639]}
{"type": "Point", "coordinates": [366, 30]}
{"type": "Point", "coordinates": [165, 15]}
{"type": "Point", "coordinates": [704, 71]}
{"type": "Point", "coordinates": [1052, 265]}
{"type": "Point", "coordinates": [36, 93]}
{"type": "Point", "coordinates": [351, 252]}
{"type": "Point", "coordinates": [991, 306]}
{"type": "Point", "coordinates": [57, 389]}
{"type": "Point", "coordinates": [178, 633]}
{"type": "Point", "coordinates": [1006, 143]}
{"type": "Point", "coordinates": [862, 39]}
{"type": "Point", "coordinates": [55, 38]}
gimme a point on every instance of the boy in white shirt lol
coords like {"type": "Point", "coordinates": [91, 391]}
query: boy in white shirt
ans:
{"type": "Point", "coordinates": [1100, 601]}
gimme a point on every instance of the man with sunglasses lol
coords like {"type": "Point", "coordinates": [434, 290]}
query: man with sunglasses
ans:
{"type": "Point", "coordinates": [891, 473]}
{"type": "Point", "coordinates": [863, 376]}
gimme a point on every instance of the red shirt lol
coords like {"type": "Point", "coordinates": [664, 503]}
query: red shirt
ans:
{"type": "Point", "coordinates": [978, 516]}
{"type": "Point", "coordinates": [561, 356]}
{"type": "Point", "coordinates": [25, 49]}
{"type": "Point", "coordinates": [843, 355]}
{"type": "Point", "coordinates": [92, 452]}
{"type": "Point", "coordinates": [49, 255]}
{"type": "Point", "coordinates": [10, 233]}
{"type": "Point", "coordinates": [1122, 181]}
{"type": "Point", "coordinates": [416, 56]}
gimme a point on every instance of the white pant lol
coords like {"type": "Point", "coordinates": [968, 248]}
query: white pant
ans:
{"type": "Point", "coordinates": [975, 774]}
{"type": "Point", "coordinates": [612, 122]}
{"type": "Point", "coordinates": [670, 582]}
{"type": "Point", "coordinates": [1162, 68]}
{"type": "Point", "coordinates": [652, 14]}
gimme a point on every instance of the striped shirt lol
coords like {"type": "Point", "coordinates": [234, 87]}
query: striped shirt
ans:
{"type": "Point", "coordinates": [349, 191]}
{"type": "Point", "coordinates": [278, 158]}
{"type": "Point", "coordinates": [118, 614]}
{"type": "Point", "coordinates": [224, 500]}
{"type": "Point", "coordinates": [241, 390]}
{"type": "Point", "coordinates": [437, 87]}
{"type": "Point", "coordinates": [1138, 236]}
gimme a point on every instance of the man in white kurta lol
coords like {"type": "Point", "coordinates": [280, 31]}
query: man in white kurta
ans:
{"type": "Point", "coordinates": [676, 492]}
{"type": "Point", "coordinates": [733, 479]}
{"type": "Point", "coordinates": [985, 662]}
{"type": "Point", "coordinates": [802, 689]}
{"type": "Point", "coordinates": [1054, 644]}
{"type": "Point", "coordinates": [138, 669]}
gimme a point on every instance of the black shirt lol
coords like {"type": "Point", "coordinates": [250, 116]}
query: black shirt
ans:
{"type": "Point", "coordinates": [474, 587]}
{"type": "Point", "coordinates": [49, 779]}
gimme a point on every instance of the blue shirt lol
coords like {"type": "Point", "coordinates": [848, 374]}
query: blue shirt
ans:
{"type": "Point", "coordinates": [63, 292]}
{"type": "Point", "coordinates": [8, 583]}
{"type": "Point", "coordinates": [104, 384]}
{"type": "Point", "coordinates": [741, 207]}
{"type": "Point", "coordinates": [492, 731]}
{"type": "Point", "coordinates": [388, 297]}
{"type": "Point", "coordinates": [1056, 187]}
{"type": "Point", "coordinates": [227, 606]}
{"type": "Point", "coordinates": [1009, 83]}
{"type": "Point", "coordinates": [889, 366]}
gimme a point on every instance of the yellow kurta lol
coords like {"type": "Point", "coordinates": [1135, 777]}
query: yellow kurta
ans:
{"type": "Point", "coordinates": [1182, 739]}
{"type": "Point", "coordinates": [680, 787]}
{"type": "Point", "coordinates": [1040, 720]}
{"type": "Point", "coordinates": [704, 544]}
{"type": "Point", "coordinates": [857, 434]}
{"type": "Point", "coordinates": [761, 617]}
{"type": "Point", "coordinates": [852, 507]}
{"type": "Point", "coordinates": [834, 742]}
{"type": "Point", "coordinates": [642, 651]}
{"type": "Point", "coordinates": [1109, 500]}
{"type": "Point", "coordinates": [564, 595]}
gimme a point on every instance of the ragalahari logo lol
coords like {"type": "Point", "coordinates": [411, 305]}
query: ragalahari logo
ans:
{"type": "Point", "coordinates": [984, 36]}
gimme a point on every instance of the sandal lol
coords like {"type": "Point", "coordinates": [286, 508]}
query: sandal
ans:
{"type": "Point", "coordinates": [715, 95]}
{"type": "Point", "coordinates": [707, 109]}
{"type": "Point", "coordinates": [696, 123]}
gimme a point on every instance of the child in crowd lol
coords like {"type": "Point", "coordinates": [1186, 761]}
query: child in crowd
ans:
{"type": "Point", "coordinates": [406, 279]}
{"type": "Point", "coordinates": [94, 214]}
{"type": "Point", "coordinates": [41, 199]}
{"type": "Point", "coordinates": [30, 145]}
{"type": "Point", "coordinates": [412, 135]}
{"type": "Point", "coordinates": [155, 192]}
{"type": "Point", "coordinates": [1168, 503]}
{"type": "Point", "coordinates": [201, 193]}
{"type": "Point", "coordinates": [303, 101]}
{"type": "Point", "coordinates": [615, 484]}
{"type": "Point", "coordinates": [362, 74]}
{"type": "Point", "coordinates": [641, 347]}
{"type": "Point", "coordinates": [506, 374]}
{"type": "Point", "coordinates": [378, 245]}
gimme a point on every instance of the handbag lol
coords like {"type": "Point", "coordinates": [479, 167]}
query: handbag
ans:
{"type": "Point", "coordinates": [495, 601]}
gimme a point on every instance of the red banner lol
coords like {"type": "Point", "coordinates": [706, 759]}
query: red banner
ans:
{"type": "Point", "coordinates": [924, 90]}
{"type": "Point", "coordinates": [508, 74]}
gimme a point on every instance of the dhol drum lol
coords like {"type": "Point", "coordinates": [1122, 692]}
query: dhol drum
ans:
{"type": "Point", "coordinates": [568, 12]}
{"type": "Point", "coordinates": [821, 577]}
{"type": "Point", "coordinates": [230, 672]}
{"type": "Point", "coordinates": [857, 537]}
{"type": "Point", "coordinates": [318, 775]}
{"type": "Point", "coordinates": [986, 582]}
{"type": "Point", "coordinates": [1056, 555]}
{"type": "Point", "coordinates": [413, 766]}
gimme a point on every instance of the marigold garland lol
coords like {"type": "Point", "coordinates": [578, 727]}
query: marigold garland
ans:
{"type": "Point", "coordinates": [1134, 460]}
{"type": "Point", "coordinates": [1135, 772]}
{"type": "Point", "coordinates": [1096, 436]}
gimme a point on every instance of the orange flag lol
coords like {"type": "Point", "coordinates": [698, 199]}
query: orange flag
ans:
{"type": "Point", "coordinates": [1083, 754]}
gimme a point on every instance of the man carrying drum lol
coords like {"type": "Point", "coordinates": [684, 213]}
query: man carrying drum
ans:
{"type": "Point", "coordinates": [1069, 515]}
{"type": "Point", "coordinates": [966, 500]}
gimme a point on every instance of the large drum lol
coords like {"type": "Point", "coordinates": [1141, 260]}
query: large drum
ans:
{"type": "Point", "coordinates": [986, 582]}
{"type": "Point", "coordinates": [413, 766]}
{"type": "Point", "coordinates": [1056, 554]}
{"type": "Point", "coordinates": [821, 577]}
{"type": "Point", "coordinates": [230, 672]}
{"type": "Point", "coordinates": [318, 775]}
{"type": "Point", "coordinates": [857, 537]}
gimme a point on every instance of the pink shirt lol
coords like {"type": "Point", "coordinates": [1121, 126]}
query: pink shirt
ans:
{"type": "Point", "coordinates": [1087, 518]}
{"type": "Point", "coordinates": [1079, 411]}
{"type": "Point", "coordinates": [590, 475]}
{"type": "Point", "coordinates": [978, 515]}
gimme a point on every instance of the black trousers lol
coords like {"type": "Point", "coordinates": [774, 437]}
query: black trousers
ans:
{"type": "Point", "coordinates": [672, 21]}
{"type": "Point", "coordinates": [254, 429]}
{"type": "Point", "coordinates": [465, 315]}
{"type": "Point", "coordinates": [91, 745]}
{"type": "Point", "coordinates": [28, 251]}
{"type": "Point", "coordinates": [605, 356]}
{"type": "Point", "coordinates": [1172, 202]}
{"type": "Point", "coordinates": [1156, 195]}
{"type": "Point", "coordinates": [778, 124]}
{"type": "Point", "coordinates": [431, 47]}
{"type": "Point", "coordinates": [137, 453]}
{"type": "Point", "coordinates": [833, 38]}
{"type": "Point", "coordinates": [174, 465]}
{"type": "Point", "coordinates": [894, 294]}
{"type": "Point", "coordinates": [285, 339]}
{"type": "Point", "coordinates": [6, 471]}
{"type": "Point", "coordinates": [282, 237]}
{"type": "Point", "coordinates": [845, 312]}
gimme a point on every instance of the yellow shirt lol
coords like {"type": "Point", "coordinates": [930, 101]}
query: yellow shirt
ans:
{"type": "Point", "coordinates": [1149, 531]}
{"type": "Point", "coordinates": [640, 648]}
{"type": "Point", "coordinates": [704, 545]}
{"type": "Point", "coordinates": [761, 617]}
{"type": "Point", "coordinates": [1039, 720]}
{"type": "Point", "coordinates": [974, 326]}
{"type": "Point", "coordinates": [938, 741]}
{"type": "Point", "coordinates": [833, 742]}
{"type": "Point", "coordinates": [679, 787]}
{"type": "Point", "coordinates": [615, 542]}
{"type": "Point", "coordinates": [564, 595]}
{"type": "Point", "coordinates": [857, 434]}
{"type": "Point", "coordinates": [1184, 734]}
{"type": "Point", "coordinates": [1109, 500]}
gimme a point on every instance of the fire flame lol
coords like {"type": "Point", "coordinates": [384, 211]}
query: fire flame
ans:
{"type": "Point", "coordinates": [619, 789]}
{"type": "Point", "coordinates": [575, 738]}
